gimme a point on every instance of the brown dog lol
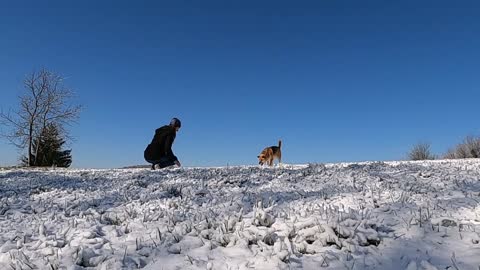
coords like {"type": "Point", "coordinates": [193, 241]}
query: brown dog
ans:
{"type": "Point", "coordinates": [269, 154]}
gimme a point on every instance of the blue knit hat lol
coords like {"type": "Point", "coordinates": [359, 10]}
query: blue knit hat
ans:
{"type": "Point", "coordinates": [175, 122]}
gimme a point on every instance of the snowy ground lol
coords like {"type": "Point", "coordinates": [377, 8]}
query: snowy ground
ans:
{"type": "Point", "coordinates": [393, 215]}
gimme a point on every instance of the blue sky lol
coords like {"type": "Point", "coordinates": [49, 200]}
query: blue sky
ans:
{"type": "Point", "coordinates": [335, 80]}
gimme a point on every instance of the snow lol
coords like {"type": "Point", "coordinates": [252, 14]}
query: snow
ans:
{"type": "Point", "coordinates": [370, 215]}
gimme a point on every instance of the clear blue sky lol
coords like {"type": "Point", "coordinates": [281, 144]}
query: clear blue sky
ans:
{"type": "Point", "coordinates": [335, 80]}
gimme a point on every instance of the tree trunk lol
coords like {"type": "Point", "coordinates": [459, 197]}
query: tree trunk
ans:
{"type": "Point", "coordinates": [35, 161]}
{"type": "Point", "coordinates": [30, 140]}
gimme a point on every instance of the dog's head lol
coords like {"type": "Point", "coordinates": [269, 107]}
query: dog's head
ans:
{"type": "Point", "coordinates": [262, 159]}
{"type": "Point", "coordinates": [265, 156]}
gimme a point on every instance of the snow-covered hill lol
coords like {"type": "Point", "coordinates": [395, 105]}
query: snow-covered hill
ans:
{"type": "Point", "coordinates": [374, 215]}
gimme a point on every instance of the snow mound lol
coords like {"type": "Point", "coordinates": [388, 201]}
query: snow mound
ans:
{"type": "Point", "coordinates": [372, 215]}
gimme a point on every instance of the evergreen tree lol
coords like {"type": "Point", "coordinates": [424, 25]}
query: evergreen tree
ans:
{"type": "Point", "coordinates": [50, 151]}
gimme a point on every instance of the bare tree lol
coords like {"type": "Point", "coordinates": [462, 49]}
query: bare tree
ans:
{"type": "Point", "coordinates": [421, 151]}
{"type": "Point", "coordinates": [46, 100]}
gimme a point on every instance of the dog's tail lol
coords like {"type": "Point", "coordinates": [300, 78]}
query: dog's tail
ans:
{"type": "Point", "coordinates": [279, 143]}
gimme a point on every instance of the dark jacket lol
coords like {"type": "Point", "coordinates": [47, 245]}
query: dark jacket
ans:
{"type": "Point", "coordinates": [161, 145]}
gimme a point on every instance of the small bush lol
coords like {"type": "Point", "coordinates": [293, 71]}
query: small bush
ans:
{"type": "Point", "coordinates": [421, 151]}
{"type": "Point", "coordinates": [469, 148]}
